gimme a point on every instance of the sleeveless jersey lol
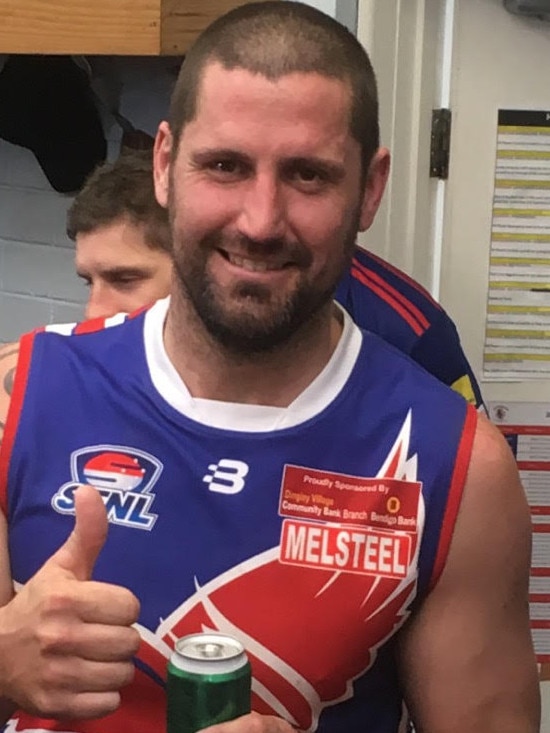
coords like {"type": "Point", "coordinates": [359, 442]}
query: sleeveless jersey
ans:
{"type": "Point", "coordinates": [383, 299]}
{"type": "Point", "coordinates": [308, 532]}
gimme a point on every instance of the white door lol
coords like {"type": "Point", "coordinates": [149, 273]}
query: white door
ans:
{"type": "Point", "coordinates": [499, 61]}
{"type": "Point", "coordinates": [406, 41]}
{"type": "Point", "coordinates": [475, 57]}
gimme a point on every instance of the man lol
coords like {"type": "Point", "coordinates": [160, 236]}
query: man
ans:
{"type": "Point", "coordinates": [266, 468]}
{"type": "Point", "coordinates": [123, 253]}
{"type": "Point", "coordinates": [122, 237]}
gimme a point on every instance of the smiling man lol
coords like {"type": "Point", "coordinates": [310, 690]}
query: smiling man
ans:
{"type": "Point", "coordinates": [295, 481]}
{"type": "Point", "coordinates": [123, 253]}
{"type": "Point", "coordinates": [122, 237]}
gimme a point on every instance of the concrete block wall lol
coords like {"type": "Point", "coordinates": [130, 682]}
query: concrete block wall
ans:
{"type": "Point", "coordinates": [38, 284]}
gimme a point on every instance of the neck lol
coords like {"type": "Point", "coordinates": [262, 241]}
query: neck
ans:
{"type": "Point", "coordinates": [273, 378]}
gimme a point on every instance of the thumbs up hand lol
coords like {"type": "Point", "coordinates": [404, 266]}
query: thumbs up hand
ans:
{"type": "Point", "coordinates": [66, 642]}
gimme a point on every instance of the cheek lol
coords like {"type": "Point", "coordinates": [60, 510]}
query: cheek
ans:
{"type": "Point", "coordinates": [199, 209]}
{"type": "Point", "coordinates": [321, 224]}
{"type": "Point", "coordinates": [160, 286]}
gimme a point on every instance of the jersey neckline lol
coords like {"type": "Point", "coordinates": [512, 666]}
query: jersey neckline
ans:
{"type": "Point", "coordinates": [247, 418]}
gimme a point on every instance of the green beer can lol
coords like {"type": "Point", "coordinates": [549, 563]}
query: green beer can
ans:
{"type": "Point", "coordinates": [208, 682]}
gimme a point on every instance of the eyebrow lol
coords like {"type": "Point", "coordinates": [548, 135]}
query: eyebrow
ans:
{"type": "Point", "coordinates": [205, 155]}
{"type": "Point", "coordinates": [117, 271]}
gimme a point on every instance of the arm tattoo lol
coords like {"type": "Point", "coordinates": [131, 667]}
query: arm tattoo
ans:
{"type": "Point", "coordinates": [7, 381]}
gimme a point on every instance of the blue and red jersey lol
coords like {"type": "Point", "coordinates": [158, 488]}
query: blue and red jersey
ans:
{"type": "Point", "coordinates": [309, 532]}
{"type": "Point", "coordinates": [383, 299]}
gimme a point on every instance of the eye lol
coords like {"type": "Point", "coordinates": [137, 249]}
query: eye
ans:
{"type": "Point", "coordinates": [307, 178]}
{"type": "Point", "coordinates": [307, 174]}
{"type": "Point", "coordinates": [227, 170]}
{"type": "Point", "coordinates": [221, 166]}
{"type": "Point", "coordinates": [127, 282]}
{"type": "Point", "coordinates": [225, 166]}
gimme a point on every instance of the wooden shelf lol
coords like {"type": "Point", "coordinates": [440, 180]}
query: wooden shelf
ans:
{"type": "Point", "coordinates": [121, 27]}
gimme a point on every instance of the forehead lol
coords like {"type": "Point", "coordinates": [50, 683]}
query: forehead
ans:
{"type": "Point", "coordinates": [118, 243]}
{"type": "Point", "coordinates": [237, 103]}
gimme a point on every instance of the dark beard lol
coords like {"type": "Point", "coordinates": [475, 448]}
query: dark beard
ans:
{"type": "Point", "coordinates": [244, 334]}
{"type": "Point", "coordinates": [243, 331]}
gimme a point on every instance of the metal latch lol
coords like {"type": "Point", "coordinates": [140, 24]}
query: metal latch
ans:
{"type": "Point", "coordinates": [440, 143]}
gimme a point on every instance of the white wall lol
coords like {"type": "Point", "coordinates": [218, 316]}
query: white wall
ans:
{"type": "Point", "coordinates": [327, 6]}
{"type": "Point", "coordinates": [37, 280]}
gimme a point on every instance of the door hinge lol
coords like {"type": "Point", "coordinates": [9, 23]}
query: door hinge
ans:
{"type": "Point", "coordinates": [440, 143]}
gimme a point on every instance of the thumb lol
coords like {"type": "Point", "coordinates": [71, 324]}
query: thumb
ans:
{"type": "Point", "coordinates": [79, 553]}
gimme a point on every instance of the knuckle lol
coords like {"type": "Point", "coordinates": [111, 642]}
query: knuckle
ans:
{"type": "Point", "coordinates": [51, 638]}
{"type": "Point", "coordinates": [56, 602]}
{"type": "Point", "coordinates": [46, 704]}
{"type": "Point", "coordinates": [256, 723]}
{"type": "Point", "coordinates": [56, 677]}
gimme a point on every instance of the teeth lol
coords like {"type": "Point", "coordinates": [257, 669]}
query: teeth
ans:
{"type": "Point", "coordinates": [252, 265]}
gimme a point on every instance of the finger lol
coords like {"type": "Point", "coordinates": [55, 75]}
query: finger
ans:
{"type": "Point", "coordinates": [84, 705]}
{"type": "Point", "coordinates": [252, 723]}
{"type": "Point", "coordinates": [104, 603]}
{"type": "Point", "coordinates": [103, 676]}
{"type": "Point", "coordinates": [100, 643]}
{"type": "Point", "coordinates": [79, 553]}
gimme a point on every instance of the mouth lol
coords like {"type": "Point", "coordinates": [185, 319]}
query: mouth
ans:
{"type": "Point", "coordinates": [254, 265]}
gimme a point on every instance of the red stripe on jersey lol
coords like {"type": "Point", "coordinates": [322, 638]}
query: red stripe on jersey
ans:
{"type": "Point", "coordinates": [94, 324]}
{"type": "Point", "coordinates": [140, 310]}
{"type": "Point", "coordinates": [455, 492]}
{"type": "Point", "coordinates": [393, 292]}
{"type": "Point", "coordinates": [403, 276]}
{"type": "Point", "coordinates": [14, 411]}
{"type": "Point", "coordinates": [101, 322]}
{"type": "Point", "coordinates": [403, 312]}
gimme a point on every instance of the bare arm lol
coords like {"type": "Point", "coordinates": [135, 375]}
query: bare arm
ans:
{"type": "Point", "coordinates": [61, 625]}
{"type": "Point", "coordinates": [8, 363]}
{"type": "Point", "coordinates": [467, 657]}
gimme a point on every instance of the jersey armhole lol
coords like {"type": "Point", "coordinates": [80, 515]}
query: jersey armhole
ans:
{"type": "Point", "coordinates": [455, 493]}
{"type": "Point", "coordinates": [14, 412]}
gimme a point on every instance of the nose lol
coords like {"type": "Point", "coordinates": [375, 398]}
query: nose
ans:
{"type": "Point", "coordinates": [263, 211]}
{"type": "Point", "coordinates": [99, 303]}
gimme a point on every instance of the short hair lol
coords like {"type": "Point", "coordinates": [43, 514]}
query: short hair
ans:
{"type": "Point", "coordinates": [117, 190]}
{"type": "Point", "coordinates": [276, 38]}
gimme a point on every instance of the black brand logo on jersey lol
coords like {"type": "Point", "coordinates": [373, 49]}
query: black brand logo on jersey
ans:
{"type": "Point", "coordinates": [123, 476]}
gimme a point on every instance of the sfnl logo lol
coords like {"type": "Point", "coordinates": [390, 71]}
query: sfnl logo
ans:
{"type": "Point", "coordinates": [123, 476]}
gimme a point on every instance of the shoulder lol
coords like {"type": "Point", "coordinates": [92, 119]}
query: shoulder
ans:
{"type": "Point", "coordinates": [398, 300]}
{"type": "Point", "coordinates": [371, 270]}
{"type": "Point", "coordinates": [383, 299]}
{"type": "Point", "coordinates": [477, 612]}
{"type": "Point", "coordinates": [494, 506]}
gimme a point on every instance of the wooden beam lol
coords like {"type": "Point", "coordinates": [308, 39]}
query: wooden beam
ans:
{"type": "Point", "coordinates": [80, 26]}
{"type": "Point", "coordinates": [183, 20]}
{"type": "Point", "coordinates": [121, 27]}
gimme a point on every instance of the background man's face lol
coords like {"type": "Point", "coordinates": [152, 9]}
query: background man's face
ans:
{"type": "Point", "coordinates": [122, 271]}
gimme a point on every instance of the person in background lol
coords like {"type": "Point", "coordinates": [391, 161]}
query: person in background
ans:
{"type": "Point", "coordinates": [122, 237]}
{"type": "Point", "coordinates": [123, 252]}
{"type": "Point", "coordinates": [256, 463]}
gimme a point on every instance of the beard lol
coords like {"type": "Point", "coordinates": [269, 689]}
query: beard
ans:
{"type": "Point", "coordinates": [251, 318]}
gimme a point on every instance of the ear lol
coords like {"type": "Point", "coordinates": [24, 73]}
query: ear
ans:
{"type": "Point", "coordinates": [162, 159]}
{"type": "Point", "coordinates": [375, 185]}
